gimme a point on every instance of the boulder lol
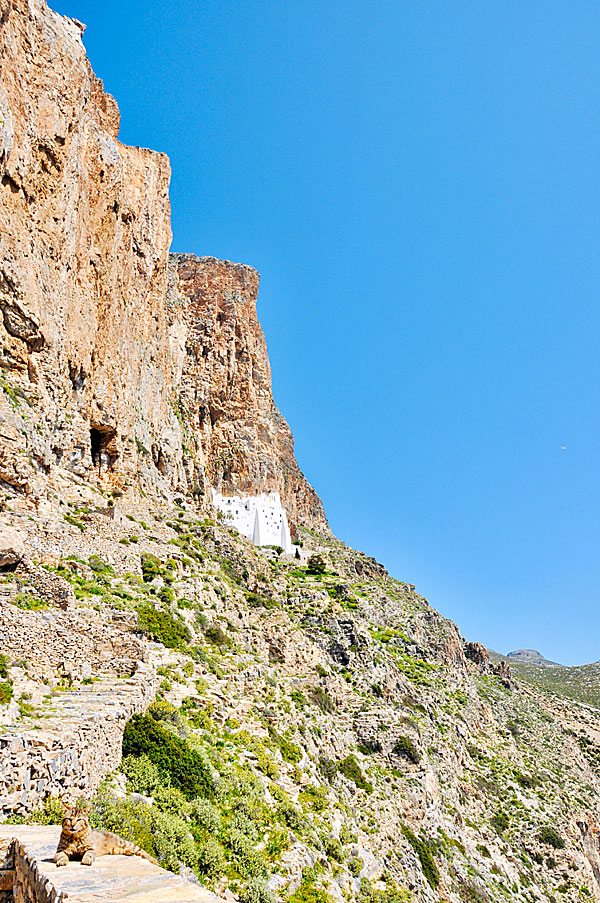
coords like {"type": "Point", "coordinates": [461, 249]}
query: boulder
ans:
{"type": "Point", "coordinates": [12, 547]}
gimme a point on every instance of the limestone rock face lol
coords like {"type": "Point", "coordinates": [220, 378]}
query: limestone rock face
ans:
{"type": "Point", "coordinates": [239, 439]}
{"type": "Point", "coordinates": [12, 547]}
{"type": "Point", "coordinates": [100, 374]}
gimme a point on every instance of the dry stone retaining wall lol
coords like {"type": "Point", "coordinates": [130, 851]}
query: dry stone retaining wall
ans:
{"type": "Point", "coordinates": [28, 875]}
{"type": "Point", "coordinates": [75, 642]}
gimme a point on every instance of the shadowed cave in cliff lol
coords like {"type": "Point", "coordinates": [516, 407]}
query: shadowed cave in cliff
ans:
{"type": "Point", "coordinates": [103, 446]}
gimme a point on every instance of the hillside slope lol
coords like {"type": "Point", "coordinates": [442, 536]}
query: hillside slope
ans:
{"type": "Point", "coordinates": [320, 733]}
{"type": "Point", "coordinates": [351, 745]}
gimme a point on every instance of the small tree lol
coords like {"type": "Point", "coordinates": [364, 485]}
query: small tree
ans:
{"type": "Point", "coordinates": [316, 565]}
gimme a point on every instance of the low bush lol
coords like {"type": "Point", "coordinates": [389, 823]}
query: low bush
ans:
{"type": "Point", "coordinates": [130, 820]}
{"type": "Point", "coordinates": [99, 566]}
{"type": "Point", "coordinates": [187, 768]}
{"type": "Point", "coordinates": [333, 848]}
{"type": "Point", "coordinates": [316, 565]}
{"type": "Point", "coordinates": [355, 866]}
{"type": "Point", "coordinates": [205, 815]}
{"type": "Point", "coordinates": [257, 891]}
{"type": "Point", "coordinates": [210, 858]}
{"type": "Point", "coordinates": [500, 821]}
{"type": "Point", "coordinates": [404, 746]}
{"type": "Point", "coordinates": [350, 768]}
{"type": "Point", "coordinates": [162, 626]}
{"type": "Point", "coordinates": [423, 851]}
{"type": "Point", "coordinates": [51, 812]}
{"type": "Point", "coordinates": [322, 698]}
{"type": "Point", "coordinates": [215, 634]}
{"type": "Point", "coordinates": [170, 799]}
{"type": "Point", "coordinates": [309, 891]}
{"type": "Point", "coordinates": [6, 692]}
{"type": "Point", "coordinates": [29, 602]}
{"type": "Point", "coordinates": [288, 814]}
{"type": "Point", "coordinates": [150, 565]}
{"type": "Point", "coordinates": [290, 751]}
{"type": "Point", "coordinates": [550, 835]}
{"type": "Point", "coordinates": [143, 776]}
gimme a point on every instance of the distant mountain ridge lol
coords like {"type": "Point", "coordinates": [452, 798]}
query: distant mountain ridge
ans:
{"type": "Point", "coordinates": [578, 682]}
{"type": "Point", "coordinates": [531, 657]}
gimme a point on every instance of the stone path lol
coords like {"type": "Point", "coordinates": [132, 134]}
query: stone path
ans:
{"type": "Point", "coordinates": [111, 879]}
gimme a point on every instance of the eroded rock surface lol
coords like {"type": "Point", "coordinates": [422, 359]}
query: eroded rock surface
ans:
{"type": "Point", "coordinates": [101, 376]}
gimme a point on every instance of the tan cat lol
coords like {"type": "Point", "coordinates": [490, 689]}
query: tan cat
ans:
{"type": "Point", "coordinates": [78, 840]}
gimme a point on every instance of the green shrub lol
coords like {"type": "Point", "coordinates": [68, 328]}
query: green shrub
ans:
{"type": "Point", "coordinates": [173, 841]}
{"type": "Point", "coordinates": [391, 894]}
{"type": "Point", "coordinates": [316, 565]}
{"type": "Point", "coordinates": [315, 798]}
{"type": "Point", "coordinates": [322, 698]}
{"type": "Point", "coordinates": [350, 768]}
{"type": "Point", "coordinates": [500, 821]}
{"type": "Point", "coordinates": [210, 858]}
{"type": "Point", "coordinates": [51, 812]}
{"type": "Point", "coordinates": [205, 815]}
{"type": "Point", "coordinates": [215, 634]}
{"type": "Point", "coordinates": [550, 835]}
{"type": "Point", "coordinates": [279, 840]}
{"type": "Point", "coordinates": [188, 769]}
{"type": "Point", "coordinates": [130, 820]}
{"type": "Point", "coordinates": [299, 699]}
{"type": "Point", "coordinates": [333, 848]}
{"type": "Point", "coordinates": [166, 595]}
{"type": "Point", "coordinates": [355, 866]}
{"type": "Point", "coordinates": [6, 692]}
{"type": "Point", "coordinates": [162, 626]}
{"type": "Point", "coordinates": [239, 821]}
{"type": "Point", "coordinates": [150, 565]}
{"type": "Point", "coordinates": [200, 719]}
{"type": "Point", "coordinates": [309, 891]}
{"type": "Point", "coordinates": [257, 891]}
{"type": "Point", "coordinates": [161, 834]}
{"type": "Point", "coordinates": [423, 851]}
{"type": "Point", "coordinates": [348, 836]}
{"type": "Point", "coordinates": [290, 816]}
{"type": "Point", "coordinates": [168, 714]}
{"type": "Point", "coordinates": [170, 799]}
{"type": "Point", "coordinates": [142, 774]}
{"type": "Point", "coordinates": [97, 565]}
{"type": "Point", "coordinates": [289, 751]}
{"type": "Point", "coordinates": [404, 746]}
{"type": "Point", "coordinates": [29, 602]}
{"type": "Point", "coordinates": [257, 601]}
{"type": "Point", "coordinates": [266, 764]}
{"type": "Point", "coordinates": [3, 666]}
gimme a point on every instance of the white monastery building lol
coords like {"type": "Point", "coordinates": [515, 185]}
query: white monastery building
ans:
{"type": "Point", "coordinates": [262, 518]}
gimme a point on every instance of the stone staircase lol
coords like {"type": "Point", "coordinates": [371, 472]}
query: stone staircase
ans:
{"type": "Point", "coordinates": [28, 875]}
{"type": "Point", "coordinates": [73, 744]}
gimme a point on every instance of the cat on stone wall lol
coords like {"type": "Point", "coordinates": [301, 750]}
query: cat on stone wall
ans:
{"type": "Point", "coordinates": [79, 841]}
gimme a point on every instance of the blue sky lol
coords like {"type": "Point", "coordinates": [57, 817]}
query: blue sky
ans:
{"type": "Point", "coordinates": [418, 184]}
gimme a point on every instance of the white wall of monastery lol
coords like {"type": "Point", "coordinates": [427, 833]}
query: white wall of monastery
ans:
{"type": "Point", "coordinates": [262, 518]}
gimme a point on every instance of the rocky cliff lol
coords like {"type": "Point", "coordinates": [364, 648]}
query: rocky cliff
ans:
{"type": "Point", "coordinates": [115, 366]}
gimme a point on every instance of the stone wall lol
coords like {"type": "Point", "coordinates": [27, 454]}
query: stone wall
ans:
{"type": "Point", "coordinates": [28, 874]}
{"type": "Point", "coordinates": [77, 643]}
{"type": "Point", "coordinates": [73, 744]}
